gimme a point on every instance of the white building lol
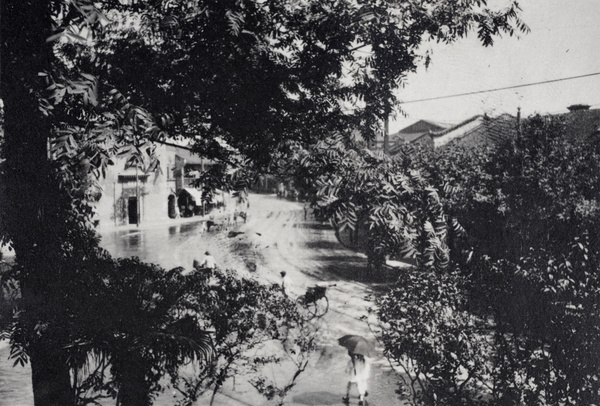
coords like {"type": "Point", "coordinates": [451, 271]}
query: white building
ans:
{"type": "Point", "coordinates": [130, 196]}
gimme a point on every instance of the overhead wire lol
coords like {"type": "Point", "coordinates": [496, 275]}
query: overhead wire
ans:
{"type": "Point", "coordinates": [500, 88]}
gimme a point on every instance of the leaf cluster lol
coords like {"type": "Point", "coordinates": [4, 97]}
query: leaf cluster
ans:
{"type": "Point", "coordinates": [399, 212]}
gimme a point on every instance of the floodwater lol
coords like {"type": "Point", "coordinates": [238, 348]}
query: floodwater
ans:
{"type": "Point", "coordinates": [275, 238]}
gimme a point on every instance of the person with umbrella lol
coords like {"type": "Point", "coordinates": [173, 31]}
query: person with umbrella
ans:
{"type": "Point", "coordinates": [358, 368]}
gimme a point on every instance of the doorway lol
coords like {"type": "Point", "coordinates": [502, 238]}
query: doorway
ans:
{"type": "Point", "coordinates": [132, 210]}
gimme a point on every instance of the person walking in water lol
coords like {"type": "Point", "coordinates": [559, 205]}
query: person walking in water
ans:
{"type": "Point", "coordinates": [358, 370]}
{"type": "Point", "coordinates": [286, 283]}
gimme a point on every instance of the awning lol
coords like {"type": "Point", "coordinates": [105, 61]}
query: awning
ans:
{"type": "Point", "coordinates": [194, 194]}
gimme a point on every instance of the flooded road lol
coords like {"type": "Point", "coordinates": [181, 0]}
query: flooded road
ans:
{"type": "Point", "coordinates": [276, 237]}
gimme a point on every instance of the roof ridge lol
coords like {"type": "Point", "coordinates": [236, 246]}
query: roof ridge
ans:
{"type": "Point", "coordinates": [447, 130]}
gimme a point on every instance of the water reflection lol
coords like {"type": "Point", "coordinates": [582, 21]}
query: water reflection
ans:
{"type": "Point", "coordinates": [186, 228]}
{"type": "Point", "coordinates": [166, 244]}
{"type": "Point", "coordinates": [133, 240]}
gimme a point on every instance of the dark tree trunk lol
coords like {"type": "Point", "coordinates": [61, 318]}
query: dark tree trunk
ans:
{"type": "Point", "coordinates": [29, 195]}
{"type": "Point", "coordinates": [134, 390]}
{"type": "Point", "coordinates": [50, 376]}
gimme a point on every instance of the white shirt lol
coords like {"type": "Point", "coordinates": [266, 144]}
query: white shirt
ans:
{"type": "Point", "coordinates": [286, 284]}
{"type": "Point", "coordinates": [209, 262]}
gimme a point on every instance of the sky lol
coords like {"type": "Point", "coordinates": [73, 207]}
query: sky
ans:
{"type": "Point", "coordinates": [564, 42]}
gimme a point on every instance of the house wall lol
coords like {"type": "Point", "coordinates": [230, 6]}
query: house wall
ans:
{"type": "Point", "coordinates": [153, 189]}
{"type": "Point", "coordinates": [119, 185]}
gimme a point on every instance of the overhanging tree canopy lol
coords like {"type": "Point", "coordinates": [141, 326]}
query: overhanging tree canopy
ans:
{"type": "Point", "coordinates": [257, 72]}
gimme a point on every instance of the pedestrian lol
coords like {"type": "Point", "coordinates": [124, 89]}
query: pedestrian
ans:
{"type": "Point", "coordinates": [286, 283]}
{"type": "Point", "coordinates": [208, 261]}
{"type": "Point", "coordinates": [358, 370]}
{"type": "Point", "coordinates": [209, 224]}
{"type": "Point", "coordinates": [305, 210]}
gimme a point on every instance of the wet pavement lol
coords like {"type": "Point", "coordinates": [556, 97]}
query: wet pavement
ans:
{"type": "Point", "coordinates": [276, 237]}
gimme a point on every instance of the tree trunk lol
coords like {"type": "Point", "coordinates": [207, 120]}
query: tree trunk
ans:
{"type": "Point", "coordinates": [25, 26]}
{"type": "Point", "coordinates": [50, 376]}
{"type": "Point", "coordinates": [133, 389]}
{"type": "Point", "coordinates": [357, 233]}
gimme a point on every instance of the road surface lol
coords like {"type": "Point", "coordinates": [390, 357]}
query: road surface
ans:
{"type": "Point", "coordinates": [276, 237]}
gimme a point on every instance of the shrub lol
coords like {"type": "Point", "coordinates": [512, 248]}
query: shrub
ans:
{"type": "Point", "coordinates": [503, 333]}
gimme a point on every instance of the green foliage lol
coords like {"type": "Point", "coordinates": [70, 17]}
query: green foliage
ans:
{"type": "Point", "coordinates": [400, 213]}
{"type": "Point", "coordinates": [546, 309]}
{"type": "Point", "coordinates": [140, 324]}
{"type": "Point", "coordinates": [529, 312]}
{"type": "Point", "coordinates": [537, 190]}
{"type": "Point", "coordinates": [427, 329]}
{"type": "Point", "coordinates": [503, 333]}
{"type": "Point", "coordinates": [254, 326]}
{"type": "Point", "coordinates": [257, 74]}
{"type": "Point", "coordinates": [139, 332]}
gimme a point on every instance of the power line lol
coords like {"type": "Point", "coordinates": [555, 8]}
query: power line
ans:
{"type": "Point", "coordinates": [500, 88]}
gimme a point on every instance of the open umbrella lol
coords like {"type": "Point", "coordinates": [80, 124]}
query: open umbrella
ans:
{"type": "Point", "coordinates": [356, 345]}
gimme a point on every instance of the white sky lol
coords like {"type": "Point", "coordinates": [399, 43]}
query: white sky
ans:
{"type": "Point", "coordinates": [564, 41]}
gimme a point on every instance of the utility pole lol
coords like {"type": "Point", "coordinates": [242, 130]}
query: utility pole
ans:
{"type": "Point", "coordinates": [202, 188]}
{"type": "Point", "coordinates": [519, 121]}
{"type": "Point", "coordinates": [386, 135]}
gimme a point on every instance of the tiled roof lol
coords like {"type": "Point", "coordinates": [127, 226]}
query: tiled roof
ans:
{"type": "Point", "coordinates": [406, 137]}
{"type": "Point", "coordinates": [581, 124]}
{"type": "Point", "coordinates": [490, 131]}
{"type": "Point", "coordinates": [423, 126]}
{"type": "Point", "coordinates": [414, 132]}
{"type": "Point", "coordinates": [454, 127]}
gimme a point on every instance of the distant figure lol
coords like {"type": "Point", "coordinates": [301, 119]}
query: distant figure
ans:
{"type": "Point", "coordinates": [286, 283]}
{"type": "Point", "coordinates": [358, 370]}
{"type": "Point", "coordinates": [208, 261]}
{"type": "Point", "coordinates": [243, 215]}
{"type": "Point", "coordinates": [306, 206]}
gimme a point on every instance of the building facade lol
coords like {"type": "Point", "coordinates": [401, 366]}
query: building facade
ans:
{"type": "Point", "coordinates": [130, 196]}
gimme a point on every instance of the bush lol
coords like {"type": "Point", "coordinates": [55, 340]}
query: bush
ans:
{"type": "Point", "coordinates": [524, 325]}
{"type": "Point", "coordinates": [253, 326]}
{"type": "Point", "coordinates": [503, 333]}
{"type": "Point", "coordinates": [428, 331]}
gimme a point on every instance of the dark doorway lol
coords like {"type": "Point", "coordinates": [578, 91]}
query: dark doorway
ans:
{"type": "Point", "coordinates": [132, 210]}
{"type": "Point", "coordinates": [172, 205]}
